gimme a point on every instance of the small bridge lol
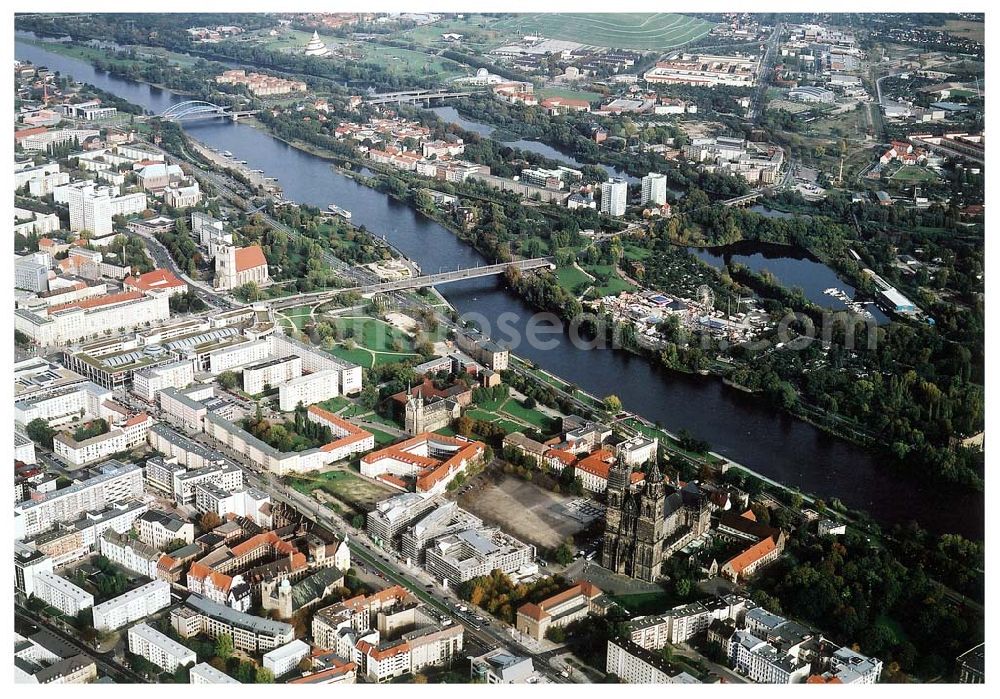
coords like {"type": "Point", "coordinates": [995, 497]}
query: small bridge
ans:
{"type": "Point", "coordinates": [197, 109]}
{"type": "Point", "coordinates": [413, 96]}
{"type": "Point", "coordinates": [746, 199]}
{"type": "Point", "coordinates": [415, 282]}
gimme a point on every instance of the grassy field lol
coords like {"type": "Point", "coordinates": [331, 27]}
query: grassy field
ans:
{"type": "Point", "coordinates": [643, 603]}
{"type": "Point", "coordinates": [572, 277]}
{"type": "Point", "coordinates": [533, 417]}
{"type": "Point", "coordinates": [358, 493]}
{"type": "Point", "coordinates": [405, 62]}
{"type": "Point", "coordinates": [965, 29]}
{"type": "Point", "coordinates": [566, 93]}
{"type": "Point", "coordinates": [295, 318]}
{"type": "Point", "coordinates": [914, 174]}
{"type": "Point", "coordinates": [372, 334]}
{"type": "Point", "coordinates": [615, 284]}
{"type": "Point", "coordinates": [640, 31]}
{"type": "Point", "coordinates": [474, 29]}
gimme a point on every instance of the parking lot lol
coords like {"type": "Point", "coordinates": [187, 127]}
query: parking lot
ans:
{"type": "Point", "coordinates": [528, 512]}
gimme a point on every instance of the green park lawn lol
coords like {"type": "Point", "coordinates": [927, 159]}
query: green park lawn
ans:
{"type": "Point", "coordinates": [641, 31]}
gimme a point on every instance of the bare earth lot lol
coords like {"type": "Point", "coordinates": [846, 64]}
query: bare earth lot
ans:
{"type": "Point", "coordinates": [523, 509]}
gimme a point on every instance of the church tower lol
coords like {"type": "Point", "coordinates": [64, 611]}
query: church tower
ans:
{"type": "Point", "coordinates": [225, 267]}
{"type": "Point", "coordinates": [414, 421]}
{"type": "Point", "coordinates": [619, 520]}
{"type": "Point", "coordinates": [650, 528]}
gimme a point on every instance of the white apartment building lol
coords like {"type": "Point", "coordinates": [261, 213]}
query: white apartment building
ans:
{"type": "Point", "coordinates": [26, 173]}
{"type": "Point", "coordinates": [762, 663]}
{"type": "Point", "coordinates": [271, 373]}
{"type": "Point", "coordinates": [31, 275]}
{"type": "Point", "coordinates": [28, 562]}
{"type": "Point", "coordinates": [636, 665]}
{"type": "Point", "coordinates": [63, 404]}
{"type": "Point", "coordinates": [157, 528]}
{"type": "Point", "coordinates": [132, 433]}
{"type": "Point", "coordinates": [147, 383]}
{"type": "Point", "coordinates": [132, 606]}
{"type": "Point", "coordinates": [119, 518]}
{"type": "Point", "coordinates": [308, 389]}
{"type": "Point", "coordinates": [315, 360]}
{"type": "Point", "coordinates": [455, 558]}
{"type": "Point", "coordinates": [27, 222]}
{"type": "Point", "coordinates": [61, 593]}
{"type": "Point", "coordinates": [158, 648]}
{"type": "Point", "coordinates": [637, 450]}
{"type": "Point", "coordinates": [203, 673]}
{"type": "Point", "coordinates": [181, 409]}
{"type": "Point", "coordinates": [654, 189]}
{"type": "Point", "coordinates": [41, 141]}
{"type": "Point", "coordinates": [117, 482]}
{"type": "Point", "coordinates": [238, 355]}
{"type": "Point", "coordinates": [283, 660]}
{"type": "Point", "coordinates": [136, 556]}
{"type": "Point", "coordinates": [92, 317]}
{"type": "Point", "coordinates": [249, 633]}
{"type": "Point", "coordinates": [614, 196]}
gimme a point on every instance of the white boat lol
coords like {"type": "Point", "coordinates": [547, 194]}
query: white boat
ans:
{"type": "Point", "coordinates": [340, 211]}
{"type": "Point", "coordinates": [227, 153]}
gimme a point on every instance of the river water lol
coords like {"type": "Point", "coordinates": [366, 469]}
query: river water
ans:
{"type": "Point", "coordinates": [739, 426]}
{"type": "Point", "coordinates": [793, 267]}
{"type": "Point", "coordinates": [450, 114]}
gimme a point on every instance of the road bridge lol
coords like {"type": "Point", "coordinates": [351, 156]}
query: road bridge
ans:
{"type": "Point", "coordinates": [199, 109]}
{"type": "Point", "coordinates": [411, 96]}
{"type": "Point", "coordinates": [415, 282]}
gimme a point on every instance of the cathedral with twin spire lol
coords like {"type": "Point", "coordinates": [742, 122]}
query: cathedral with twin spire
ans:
{"type": "Point", "coordinates": [646, 524]}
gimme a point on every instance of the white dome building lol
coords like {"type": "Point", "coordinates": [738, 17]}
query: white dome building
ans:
{"type": "Point", "coordinates": [315, 47]}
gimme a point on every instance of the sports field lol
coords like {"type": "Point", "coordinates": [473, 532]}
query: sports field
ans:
{"type": "Point", "coordinates": [640, 31]}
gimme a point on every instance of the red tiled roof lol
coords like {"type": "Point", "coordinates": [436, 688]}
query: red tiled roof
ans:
{"type": "Point", "coordinates": [597, 463]}
{"type": "Point", "coordinates": [741, 561]}
{"type": "Point", "coordinates": [249, 258]}
{"type": "Point", "coordinates": [568, 458]}
{"type": "Point", "coordinates": [99, 301]}
{"type": "Point", "coordinates": [24, 133]}
{"type": "Point", "coordinates": [136, 419]}
{"type": "Point", "coordinates": [532, 611]}
{"type": "Point", "coordinates": [151, 281]}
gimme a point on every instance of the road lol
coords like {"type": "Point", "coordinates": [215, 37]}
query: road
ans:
{"type": "Point", "coordinates": [162, 258]}
{"type": "Point", "coordinates": [107, 665]}
{"type": "Point", "coordinates": [757, 101]}
{"type": "Point", "coordinates": [490, 632]}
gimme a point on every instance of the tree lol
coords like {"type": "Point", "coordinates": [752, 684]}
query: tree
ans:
{"type": "Point", "coordinates": [564, 554]}
{"type": "Point", "coordinates": [228, 379]}
{"type": "Point", "coordinates": [182, 675]}
{"type": "Point", "coordinates": [263, 676]}
{"type": "Point", "coordinates": [612, 403]}
{"type": "Point", "coordinates": [209, 521]}
{"type": "Point", "coordinates": [38, 430]}
{"type": "Point", "coordinates": [224, 646]}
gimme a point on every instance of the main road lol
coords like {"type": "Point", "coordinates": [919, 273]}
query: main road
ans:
{"type": "Point", "coordinates": [489, 632]}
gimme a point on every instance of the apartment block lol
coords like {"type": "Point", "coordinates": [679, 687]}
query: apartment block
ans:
{"type": "Point", "coordinates": [158, 648]}
{"type": "Point", "coordinates": [132, 606]}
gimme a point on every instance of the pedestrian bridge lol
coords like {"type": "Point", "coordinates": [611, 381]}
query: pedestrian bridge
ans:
{"type": "Point", "coordinates": [414, 282]}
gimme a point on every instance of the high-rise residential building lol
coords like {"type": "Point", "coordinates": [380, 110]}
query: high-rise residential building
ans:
{"type": "Point", "coordinates": [614, 196]}
{"type": "Point", "coordinates": [115, 483]}
{"type": "Point", "coordinates": [654, 188]}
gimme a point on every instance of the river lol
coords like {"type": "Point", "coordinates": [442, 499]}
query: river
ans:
{"type": "Point", "coordinates": [450, 114]}
{"type": "Point", "coordinates": [738, 426]}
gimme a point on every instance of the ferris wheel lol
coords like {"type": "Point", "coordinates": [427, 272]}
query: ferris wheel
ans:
{"type": "Point", "coordinates": [706, 297]}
